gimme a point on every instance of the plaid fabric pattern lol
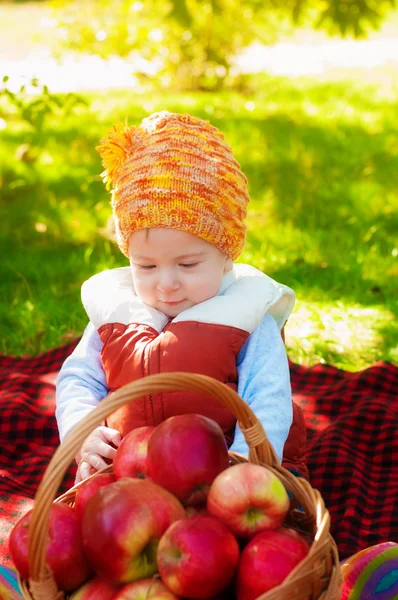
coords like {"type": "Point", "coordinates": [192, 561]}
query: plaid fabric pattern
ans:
{"type": "Point", "coordinates": [28, 433]}
{"type": "Point", "coordinates": [352, 425]}
{"type": "Point", "coordinates": [352, 432]}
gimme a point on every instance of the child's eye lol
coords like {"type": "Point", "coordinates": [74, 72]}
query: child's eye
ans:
{"type": "Point", "coordinates": [188, 265]}
{"type": "Point", "coordinates": [147, 267]}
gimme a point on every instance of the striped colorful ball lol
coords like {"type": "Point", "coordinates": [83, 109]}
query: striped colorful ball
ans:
{"type": "Point", "coordinates": [9, 588]}
{"type": "Point", "coordinates": [371, 573]}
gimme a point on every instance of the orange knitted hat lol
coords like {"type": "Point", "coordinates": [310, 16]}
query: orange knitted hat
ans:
{"type": "Point", "coordinates": [175, 171]}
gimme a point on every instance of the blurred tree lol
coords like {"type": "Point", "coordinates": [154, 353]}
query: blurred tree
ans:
{"type": "Point", "coordinates": [35, 104]}
{"type": "Point", "coordinates": [192, 43]}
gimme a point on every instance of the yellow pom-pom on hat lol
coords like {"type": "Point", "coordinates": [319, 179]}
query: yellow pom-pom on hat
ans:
{"type": "Point", "coordinates": [175, 171]}
{"type": "Point", "coordinates": [113, 150]}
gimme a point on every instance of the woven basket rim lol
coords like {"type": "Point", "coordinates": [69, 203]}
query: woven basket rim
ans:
{"type": "Point", "coordinates": [321, 567]}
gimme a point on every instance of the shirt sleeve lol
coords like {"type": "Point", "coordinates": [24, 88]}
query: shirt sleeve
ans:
{"type": "Point", "coordinates": [264, 383]}
{"type": "Point", "coordinates": [81, 382]}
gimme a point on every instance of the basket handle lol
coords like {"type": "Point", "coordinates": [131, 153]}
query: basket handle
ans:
{"type": "Point", "coordinates": [260, 450]}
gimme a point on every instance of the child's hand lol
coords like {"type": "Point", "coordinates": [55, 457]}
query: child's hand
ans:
{"type": "Point", "coordinates": [95, 448]}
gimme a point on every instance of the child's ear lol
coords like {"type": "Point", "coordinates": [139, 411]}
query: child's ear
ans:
{"type": "Point", "coordinates": [228, 265]}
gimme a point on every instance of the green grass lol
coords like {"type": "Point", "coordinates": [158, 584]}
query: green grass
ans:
{"type": "Point", "coordinates": [322, 162]}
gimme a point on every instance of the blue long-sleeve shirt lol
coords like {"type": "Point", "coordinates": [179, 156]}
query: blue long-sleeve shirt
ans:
{"type": "Point", "coordinates": [263, 382]}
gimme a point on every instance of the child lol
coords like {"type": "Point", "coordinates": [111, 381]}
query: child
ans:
{"type": "Point", "coordinates": [179, 202]}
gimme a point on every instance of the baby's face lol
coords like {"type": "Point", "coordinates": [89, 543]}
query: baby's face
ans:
{"type": "Point", "coordinates": [174, 270]}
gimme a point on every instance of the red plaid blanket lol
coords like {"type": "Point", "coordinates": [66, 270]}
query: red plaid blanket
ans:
{"type": "Point", "coordinates": [352, 431]}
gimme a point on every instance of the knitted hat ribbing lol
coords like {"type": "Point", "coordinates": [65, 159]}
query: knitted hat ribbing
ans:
{"type": "Point", "coordinates": [175, 171]}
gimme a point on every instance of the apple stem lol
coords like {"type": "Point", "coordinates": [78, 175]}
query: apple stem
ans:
{"type": "Point", "coordinates": [173, 552]}
{"type": "Point", "coordinates": [252, 515]}
{"type": "Point", "coordinates": [154, 578]}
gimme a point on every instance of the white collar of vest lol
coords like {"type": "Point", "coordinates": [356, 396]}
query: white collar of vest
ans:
{"type": "Point", "coordinates": [245, 296]}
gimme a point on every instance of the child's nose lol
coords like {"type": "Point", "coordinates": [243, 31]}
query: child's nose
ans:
{"type": "Point", "coordinates": [167, 281]}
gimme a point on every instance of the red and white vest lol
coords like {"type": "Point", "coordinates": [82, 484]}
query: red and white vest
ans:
{"type": "Point", "coordinates": [138, 340]}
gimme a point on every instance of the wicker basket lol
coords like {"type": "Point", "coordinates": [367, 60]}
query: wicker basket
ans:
{"type": "Point", "coordinates": [315, 577]}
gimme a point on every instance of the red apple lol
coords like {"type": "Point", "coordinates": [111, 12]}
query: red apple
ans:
{"type": "Point", "coordinates": [64, 553]}
{"type": "Point", "coordinates": [248, 499]}
{"type": "Point", "coordinates": [197, 557]}
{"type": "Point", "coordinates": [145, 589]}
{"type": "Point", "coordinates": [95, 589]}
{"type": "Point", "coordinates": [131, 456]}
{"type": "Point", "coordinates": [185, 454]}
{"type": "Point", "coordinates": [267, 560]}
{"type": "Point", "coordinates": [122, 525]}
{"type": "Point", "coordinates": [88, 488]}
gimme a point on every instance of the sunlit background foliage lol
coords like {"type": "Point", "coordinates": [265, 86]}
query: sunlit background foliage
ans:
{"type": "Point", "coordinates": [320, 153]}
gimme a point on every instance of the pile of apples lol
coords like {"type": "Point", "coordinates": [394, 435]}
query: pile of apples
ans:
{"type": "Point", "coordinates": [173, 521]}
